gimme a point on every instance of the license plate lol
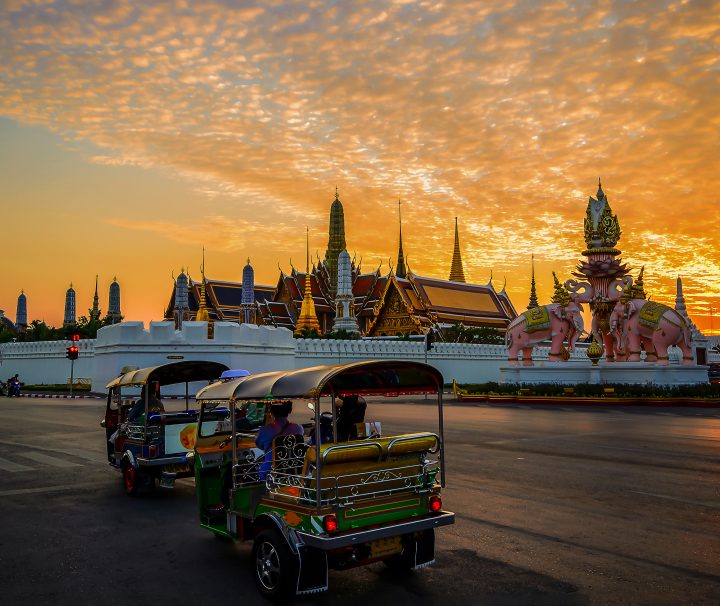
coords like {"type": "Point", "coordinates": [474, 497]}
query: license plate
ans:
{"type": "Point", "coordinates": [383, 547]}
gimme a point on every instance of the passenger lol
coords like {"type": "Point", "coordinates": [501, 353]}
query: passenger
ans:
{"type": "Point", "coordinates": [351, 413]}
{"type": "Point", "coordinates": [278, 427]}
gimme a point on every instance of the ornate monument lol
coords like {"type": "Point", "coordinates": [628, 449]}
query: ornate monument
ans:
{"type": "Point", "coordinates": [344, 301]}
{"type": "Point", "coordinates": [114, 301]}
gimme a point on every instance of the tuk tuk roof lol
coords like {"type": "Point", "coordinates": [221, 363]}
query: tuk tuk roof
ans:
{"type": "Point", "coordinates": [373, 377]}
{"type": "Point", "coordinates": [169, 374]}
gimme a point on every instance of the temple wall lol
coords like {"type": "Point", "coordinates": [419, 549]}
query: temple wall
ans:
{"type": "Point", "coordinates": [45, 362]}
{"type": "Point", "coordinates": [255, 348]}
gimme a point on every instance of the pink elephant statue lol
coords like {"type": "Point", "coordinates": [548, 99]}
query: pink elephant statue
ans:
{"type": "Point", "coordinates": [554, 321]}
{"type": "Point", "coordinates": [654, 326]}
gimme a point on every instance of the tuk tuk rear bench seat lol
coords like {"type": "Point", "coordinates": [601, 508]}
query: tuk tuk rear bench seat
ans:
{"type": "Point", "coordinates": [364, 468]}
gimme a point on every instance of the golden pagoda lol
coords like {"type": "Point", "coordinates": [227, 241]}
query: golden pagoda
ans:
{"type": "Point", "coordinates": [400, 271]}
{"type": "Point", "coordinates": [456, 269]}
{"type": "Point", "coordinates": [202, 312]}
{"type": "Point", "coordinates": [307, 320]}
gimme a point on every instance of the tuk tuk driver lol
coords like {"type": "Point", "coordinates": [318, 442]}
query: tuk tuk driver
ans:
{"type": "Point", "coordinates": [154, 402]}
{"type": "Point", "coordinates": [279, 426]}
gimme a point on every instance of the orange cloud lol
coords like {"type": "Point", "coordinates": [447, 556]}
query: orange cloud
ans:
{"type": "Point", "coordinates": [501, 113]}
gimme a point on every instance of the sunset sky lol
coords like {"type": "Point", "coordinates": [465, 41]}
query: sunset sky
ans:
{"type": "Point", "coordinates": [134, 134]}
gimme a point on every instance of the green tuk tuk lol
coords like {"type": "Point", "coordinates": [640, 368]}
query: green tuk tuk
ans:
{"type": "Point", "coordinates": [146, 441]}
{"type": "Point", "coordinates": [323, 506]}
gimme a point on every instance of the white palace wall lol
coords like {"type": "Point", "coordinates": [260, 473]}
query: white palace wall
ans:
{"type": "Point", "coordinates": [255, 348]}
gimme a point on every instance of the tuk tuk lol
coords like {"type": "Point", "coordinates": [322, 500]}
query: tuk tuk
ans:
{"type": "Point", "coordinates": [328, 505]}
{"type": "Point", "coordinates": [146, 441]}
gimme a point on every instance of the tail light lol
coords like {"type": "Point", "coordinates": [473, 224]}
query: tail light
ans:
{"type": "Point", "coordinates": [330, 523]}
{"type": "Point", "coordinates": [434, 503]}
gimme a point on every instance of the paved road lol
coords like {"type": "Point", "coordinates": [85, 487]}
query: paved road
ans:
{"type": "Point", "coordinates": [557, 506]}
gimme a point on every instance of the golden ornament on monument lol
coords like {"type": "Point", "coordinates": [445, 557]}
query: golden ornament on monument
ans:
{"type": "Point", "coordinates": [594, 352]}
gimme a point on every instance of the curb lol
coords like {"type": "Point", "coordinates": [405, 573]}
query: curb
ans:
{"type": "Point", "coordinates": [59, 396]}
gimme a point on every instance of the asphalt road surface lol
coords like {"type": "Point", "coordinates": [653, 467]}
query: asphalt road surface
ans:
{"type": "Point", "coordinates": [563, 506]}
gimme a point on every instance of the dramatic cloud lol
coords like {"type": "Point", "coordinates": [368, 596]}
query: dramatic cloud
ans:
{"type": "Point", "coordinates": [500, 113]}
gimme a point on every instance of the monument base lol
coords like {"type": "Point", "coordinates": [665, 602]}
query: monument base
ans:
{"type": "Point", "coordinates": [635, 373]}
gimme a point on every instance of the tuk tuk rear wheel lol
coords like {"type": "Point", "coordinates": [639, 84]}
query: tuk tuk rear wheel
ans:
{"type": "Point", "coordinates": [276, 568]}
{"type": "Point", "coordinates": [130, 479]}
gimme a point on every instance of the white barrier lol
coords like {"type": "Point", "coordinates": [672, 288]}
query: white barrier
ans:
{"type": "Point", "coordinates": [255, 348]}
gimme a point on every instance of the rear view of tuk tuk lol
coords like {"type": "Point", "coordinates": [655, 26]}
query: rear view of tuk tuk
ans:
{"type": "Point", "coordinates": [323, 506]}
{"type": "Point", "coordinates": [145, 441]}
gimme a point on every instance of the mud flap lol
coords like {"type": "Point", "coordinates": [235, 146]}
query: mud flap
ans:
{"type": "Point", "coordinates": [313, 570]}
{"type": "Point", "coordinates": [424, 549]}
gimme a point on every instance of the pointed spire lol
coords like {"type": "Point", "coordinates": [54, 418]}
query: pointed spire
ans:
{"type": "Point", "coordinates": [95, 312]}
{"type": "Point", "coordinates": [202, 312]}
{"type": "Point", "coordinates": [680, 298]}
{"type": "Point", "coordinates": [600, 192]}
{"type": "Point", "coordinates": [456, 269]}
{"type": "Point", "coordinates": [533, 303]}
{"type": "Point", "coordinates": [336, 240]}
{"type": "Point", "coordinates": [401, 272]}
{"type": "Point", "coordinates": [307, 320]}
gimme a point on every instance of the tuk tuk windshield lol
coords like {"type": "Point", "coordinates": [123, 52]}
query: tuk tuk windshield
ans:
{"type": "Point", "coordinates": [216, 420]}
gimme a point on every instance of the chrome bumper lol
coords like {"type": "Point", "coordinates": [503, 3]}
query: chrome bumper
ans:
{"type": "Point", "coordinates": [363, 536]}
{"type": "Point", "coordinates": [161, 460]}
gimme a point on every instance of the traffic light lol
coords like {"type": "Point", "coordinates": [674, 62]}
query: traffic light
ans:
{"type": "Point", "coordinates": [76, 337]}
{"type": "Point", "coordinates": [72, 352]}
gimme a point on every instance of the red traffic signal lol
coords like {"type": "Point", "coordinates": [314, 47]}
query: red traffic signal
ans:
{"type": "Point", "coordinates": [76, 337]}
{"type": "Point", "coordinates": [72, 352]}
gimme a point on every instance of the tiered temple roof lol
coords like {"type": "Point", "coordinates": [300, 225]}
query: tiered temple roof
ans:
{"type": "Point", "coordinates": [417, 303]}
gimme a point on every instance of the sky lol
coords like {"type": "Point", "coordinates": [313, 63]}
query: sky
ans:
{"type": "Point", "coordinates": [132, 135]}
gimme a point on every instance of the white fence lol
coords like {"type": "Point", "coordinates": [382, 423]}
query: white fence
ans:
{"type": "Point", "coordinates": [255, 348]}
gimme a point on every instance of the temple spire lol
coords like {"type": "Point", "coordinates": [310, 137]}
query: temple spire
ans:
{"type": "Point", "coordinates": [95, 312]}
{"type": "Point", "coordinates": [400, 272]}
{"type": "Point", "coordinates": [307, 320]}
{"type": "Point", "coordinates": [336, 240]}
{"type": "Point", "coordinates": [456, 269]}
{"type": "Point", "coordinates": [202, 312]}
{"type": "Point", "coordinates": [533, 293]}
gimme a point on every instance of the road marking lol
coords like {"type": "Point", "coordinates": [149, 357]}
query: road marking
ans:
{"type": "Point", "coordinates": [12, 467]}
{"type": "Point", "coordinates": [98, 456]}
{"type": "Point", "coordinates": [553, 437]}
{"type": "Point", "coordinates": [64, 487]}
{"type": "Point", "coordinates": [47, 460]}
{"type": "Point", "coordinates": [678, 499]}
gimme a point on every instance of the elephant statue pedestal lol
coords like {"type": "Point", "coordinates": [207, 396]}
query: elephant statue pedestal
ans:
{"type": "Point", "coordinates": [574, 373]}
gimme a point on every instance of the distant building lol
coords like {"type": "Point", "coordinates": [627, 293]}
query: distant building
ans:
{"type": "Point", "coordinates": [114, 302]}
{"type": "Point", "coordinates": [69, 317]}
{"type": "Point", "coordinates": [21, 315]}
{"type": "Point", "coordinates": [400, 302]}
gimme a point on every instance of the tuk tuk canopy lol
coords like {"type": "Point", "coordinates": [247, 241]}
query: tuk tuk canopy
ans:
{"type": "Point", "coordinates": [357, 378]}
{"type": "Point", "coordinates": [186, 371]}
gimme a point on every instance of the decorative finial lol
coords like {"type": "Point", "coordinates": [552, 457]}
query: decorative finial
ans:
{"type": "Point", "coordinates": [337, 195]}
{"type": "Point", "coordinates": [307, 242]}
{"type": "Point", "coordinates": [248, 260]}
{"type": "Point", "coordinates": [561, 294]}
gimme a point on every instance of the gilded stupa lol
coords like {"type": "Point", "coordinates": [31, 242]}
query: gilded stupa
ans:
{"type": "Point", "coordinates": [307, 320]}
{"type": "Point", "coordinates": [202, 312]}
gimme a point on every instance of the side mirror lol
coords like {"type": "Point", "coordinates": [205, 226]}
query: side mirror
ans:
{"type": "Point", "coordinates": [103, 424]}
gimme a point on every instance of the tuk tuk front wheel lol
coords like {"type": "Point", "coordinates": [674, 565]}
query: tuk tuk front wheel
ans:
{"type": "Point", "coordinates": [276, 569]}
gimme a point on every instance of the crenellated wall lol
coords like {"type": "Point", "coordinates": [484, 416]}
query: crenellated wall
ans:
{"type": "Point", "coordinates": [255, 348]}
{"type": "Point", "coordinates": [45, 362]}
